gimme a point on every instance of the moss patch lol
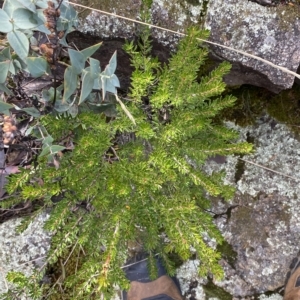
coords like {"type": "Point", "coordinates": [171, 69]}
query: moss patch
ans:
{"type": "Point", "coordinates": [252, 212]}
{"type": "Point", "coordinates": [287, 14]}
{"type": "Point", "coordinates": [251, 102]}
{"type": "Point", "coordinates": [213, 291]}
{"type": "Point", "coordinates": [227, 253]}
{"type": "Point", "coordinates": [285, 108]}
{"type": "Point", "coordinates": [239, 170]}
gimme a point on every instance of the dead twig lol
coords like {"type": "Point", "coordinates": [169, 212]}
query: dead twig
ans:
{"type": "Point", "coordinates": [183, 34]}
{"type": "Point", "coordinates": [268, 169]}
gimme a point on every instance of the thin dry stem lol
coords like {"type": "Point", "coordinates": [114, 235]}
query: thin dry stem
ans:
{"type": "Point", "coordinates": [183, 34]}
{"type": "Point", "coordinates": [268, 169]}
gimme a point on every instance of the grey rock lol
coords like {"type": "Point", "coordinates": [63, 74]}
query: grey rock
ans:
{"type": "Point", "coordinates": [268, 32]}
{"type": "Point", "coordinates": [263, 2]}
{"type": "Point", "coordinates": [22, 252]}
{"type": "Point", "coordinates": [264, 227]}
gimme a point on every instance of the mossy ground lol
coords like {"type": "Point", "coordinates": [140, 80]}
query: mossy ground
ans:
{"type": "Point", "coordinates": [252, 102]}
{"type": "Point", "coordinates": [246, 214]}
{"type": "Point", "coordinates": [213, 291]}
{"type": "Point", "coordinates": [227, 252]}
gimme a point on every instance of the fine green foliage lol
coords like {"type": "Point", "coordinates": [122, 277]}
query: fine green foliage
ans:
{"type": "Point", "coordinates": [115, 171]}
{"type": "Point", "coordinates": [84, 86]}
{"type": "Point", "coordinates": [142, 180]}
{"type": "Point", "coordinates": [18, 20]}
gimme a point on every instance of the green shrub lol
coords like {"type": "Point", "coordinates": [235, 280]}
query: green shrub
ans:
{"type": "Point", "coordinates": [134, 172]}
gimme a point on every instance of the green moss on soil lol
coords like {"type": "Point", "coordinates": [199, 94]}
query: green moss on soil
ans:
{"type": "Point", "coordinates": [227, 253]}
{"type": "Point", "coordinates": [285, 107]}
{"type": "Point", "coordinates": [245, 214]}
{"type": "Point", "coordinates": [239, 170]}
{"type": "Point", "coordinates": [251, 102]}
{"type": "Point", "coordinates": [287, 14]}
{"type": "Point", "coordinates": [213, 291]}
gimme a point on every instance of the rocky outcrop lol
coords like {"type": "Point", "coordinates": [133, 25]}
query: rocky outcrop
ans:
{"type": "Point", "coordinates": [263, 225]}
{"type": "Point", "coordinates": [23, 252]}
{"type": "Point", "coordinates": [270, 32]}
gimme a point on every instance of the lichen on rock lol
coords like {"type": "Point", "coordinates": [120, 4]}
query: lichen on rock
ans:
{"type": "Point", "coordinates": [267, 32]}
{"type": "Point", "coordinates": [264, 225]}
{"type": "Point", "coordinates": [22, 252]}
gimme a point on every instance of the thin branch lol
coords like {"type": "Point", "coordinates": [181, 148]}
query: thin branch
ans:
{"type": "Point", "coordinates": [28, 261]}
{"type": "Point", "coordinates": [127, 112]}
{"type": "Point", "coordinates": [268, 169]}
{"type": "Point", "coordinates": [114, 152]}
{"type": "Point", "coordinates": [183, 34]}
{"type": "Point", "coordinates": [70, 253]}
{"type": "Point", "coordinates": [137, 262]}
{"type": "Point", "coordinates": [54, 252]}
{"type": "Point", "coordinates": [4, 279]}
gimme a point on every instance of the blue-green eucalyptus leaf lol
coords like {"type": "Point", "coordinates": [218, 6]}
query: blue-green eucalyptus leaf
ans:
{"type": "Point", "coordinates": [45, 151]}
{"type": "Point", "coordinates": [29, 130]}
{"type": "Point", "coordinates": [29, 110]}
{"type": "Point", "coordinates": [47, 140]}
{"type": "Point", "coordinates": [10, 5]}
{"type": "Point", "coordinates": [17, 66]}
{"type": "Point", "coordinates": [5, 23]}
{"type": "Point", "coordinates": [5, 90]}
{"type": "Point", "coordinates": [61, 106]}
{"type": "Point", "coordinates": [94, 67]}
{"type": "Point", "coordinates": [33, 41]}
{"type": "Point", "coordinates": [112, 65]}
{"type": "Point", "coordinates": [4, 67]}
{"type": "Point", "coordinates": [87, 86]}
{"type": "Point", "coordinates": [32, 111]}
{"type": "Point", "coordinates": [42, 28]}
{"type": "Point", "coordinates": [48, 95]}
{"type": "Point", "coordinates": [68, 13]}
{"type": "Point", "coordinates": [63, 41]}
{"type": "Point", "coordinates": [70, 82]}
{"type": "Point", "coordinates": [73, 110]}
{"type": "Point", "coordinates": [24, 19]}
{"type": "Point", "coordinates": [28, 4]}
{"type": "Point", "coordinates": [87, 52]}
{"type": "Point", "coordinates": [114, 80]}
{"type": "Point", "coordinates": [19, 43]}
{"type": "Point", "coordinates": [41, 19]}
{"type": "Point", "coordinates": [109, 87]}
{"type": "Point", "coordinates": [42, 3]}
{"type": "Point", "coordinates": [5, 54]}
{"type": "Point", "coordinates": [56, 148]}
{"type": "Point", "coordinates": [5, 107]}
{"type": "Point", "coordinates": [61, 24]}
{"type": "Point", "coordinates": [12, 69]}
{"type": "Point", "coordinates": [97, 84]}
{"type": "Point", "coordinates": [77, 60]}
{"type": "Point", "coordinates": [37, 66]}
